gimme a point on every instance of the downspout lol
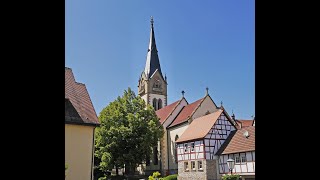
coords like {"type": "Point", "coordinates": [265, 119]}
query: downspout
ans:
{"type": "Point", "coordinates": [160, 165]}
{"type": "Point", "coordinates": [92, 160]}
{"type": "Point", "coordinates": [168, 150]}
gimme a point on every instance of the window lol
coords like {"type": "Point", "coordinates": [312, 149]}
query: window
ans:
{"type": "Point", "coordinates": [155, 155]}
{"type": "Point", "coordinates": [243, 159]}
{"type": "Point", "coordinates": [192, 147]}
{"type": "Point", "coordinates": [186, 166]}
{"type": "Point", "coordinates": [237, 159]}
{"type": "Point", "coordinates": [193, 165]}
{"type": "Point", "coordinates": [159, 104]}
{"type": "Point", "coordinates": [186, 147]}
{"type": "Point", "coordinates": [199, 165]}
{"type": "Point", "coordinates": [154, 103]}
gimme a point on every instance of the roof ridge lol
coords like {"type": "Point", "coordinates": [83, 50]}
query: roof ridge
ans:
{"type": "Point", "coordinates": [169, 126]}
{"type": "Point", "coordinates": [173, 109]}
{"type": "Point", "coordinates": [197, 106]}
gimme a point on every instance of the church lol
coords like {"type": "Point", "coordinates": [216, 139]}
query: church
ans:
{"type": "Point", "coordinates": [197, 134]}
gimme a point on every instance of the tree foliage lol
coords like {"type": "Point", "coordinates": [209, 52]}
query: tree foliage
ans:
{"type": "Point", "coordinates": [127, 133]}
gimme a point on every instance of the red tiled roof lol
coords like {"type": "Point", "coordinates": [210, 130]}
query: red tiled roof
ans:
{"type": "Point", "coordinates": [186, 112]}
{"type": "Point", "coordinates": [237, 142]}
{"type": "Point", "coordinates": [164, 112]}
{"type": "Point", "coordinates": [200, 127]}
{"type": "Point", "coordinates": [77, 94]}
{"type": "Point", "coordinates": [245, 123]}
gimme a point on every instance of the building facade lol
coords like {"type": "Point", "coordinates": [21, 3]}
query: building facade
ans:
{"type": "Point", "coordinates": [80, 123]}
{"type": "Point", "coordinates": [194, 133]}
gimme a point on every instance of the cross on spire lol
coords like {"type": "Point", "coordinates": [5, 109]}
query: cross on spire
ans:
{"type": "Point", "coordinates": [151, 20]}
{"type": "Point", "coordinates": [182, 93]}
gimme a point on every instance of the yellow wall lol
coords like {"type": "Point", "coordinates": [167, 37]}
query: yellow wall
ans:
{"type": "Point", "coordinates": [78, 151]}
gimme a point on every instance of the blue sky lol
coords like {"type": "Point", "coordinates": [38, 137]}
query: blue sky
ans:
{"type": "Point", "coordinates": [206, 43]}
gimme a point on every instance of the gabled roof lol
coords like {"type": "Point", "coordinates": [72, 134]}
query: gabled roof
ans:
{"type": "Point", "coordinates": [165, 112]}
{"type": "Point", "coordinates": [245, 123]}
{"type": "Point", "coordinates": [186, 112]}
{"type": "Point", "coordinates": [78, 106]}
{"type": "Point", "coordinates": [200, 127]}
{"type": "Point", "coordinates": [237, 142]}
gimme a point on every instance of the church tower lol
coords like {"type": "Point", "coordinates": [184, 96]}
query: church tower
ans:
{"type": "Point", "coordinates": [152, 85]}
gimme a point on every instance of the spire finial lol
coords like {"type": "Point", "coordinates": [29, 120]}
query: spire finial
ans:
{"type": "Point", "coordinates": [182, 93]}
{"type": "Point", "coordinates": [221, 103]}
{"type": "Point", "coordinates": [207, 90]}
{"type": "Point", "coordinates": [151, 21]}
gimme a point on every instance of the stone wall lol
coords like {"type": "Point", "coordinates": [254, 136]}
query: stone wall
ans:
{"type": "Point", "coordinates": [208, 171]}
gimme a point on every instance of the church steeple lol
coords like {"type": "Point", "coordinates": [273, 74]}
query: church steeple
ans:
{"type": "Point", "coordinates": [152, 86]}
{"type": "Point", "coordinates": [152, 63]}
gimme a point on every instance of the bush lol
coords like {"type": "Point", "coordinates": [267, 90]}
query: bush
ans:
{"type": "Point", "coordinates": [154, 176]}
{"type": "Point", "coordinates": [231, 177]}
{"type": "Point", "coordinates": [171, 177]}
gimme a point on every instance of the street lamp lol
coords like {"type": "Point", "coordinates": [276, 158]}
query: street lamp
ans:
{"type": "Point", "coordinates": [230, 163]}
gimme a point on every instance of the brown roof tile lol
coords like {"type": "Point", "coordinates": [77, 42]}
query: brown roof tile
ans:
{"type": "Point", "coordinates": [200, 127]}
{"type": "Point", "coordinates": [245, 123]}
{"type": "Point", "coordinates": [186, 112]}
{"type": "Point", "coordinates": [77, 98]}
{"type": "Point", "coordinates": [164, 112]}
{"type": "Point", "coordinates": [237, 142]}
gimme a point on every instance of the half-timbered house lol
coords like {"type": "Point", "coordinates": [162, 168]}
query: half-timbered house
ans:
{"type": "Point", "coordinates": [239, 146]}
{"type": "Point", "coordinates": [193, 132]}
{"type": "Point", "coordinates": [198, 145]}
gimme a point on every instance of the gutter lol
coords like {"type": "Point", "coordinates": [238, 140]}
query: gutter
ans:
{"type": "Point", "coordinates": [168, 151]}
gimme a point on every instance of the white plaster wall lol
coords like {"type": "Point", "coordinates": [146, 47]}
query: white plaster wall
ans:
{"type": "Point", "coordinates": [207, 105]}
{"type": "Point", "coordinates": [178, 130]}
{"type": "Point", "coordinates": [247, 168]}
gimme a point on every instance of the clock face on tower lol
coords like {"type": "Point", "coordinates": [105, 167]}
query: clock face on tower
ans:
{"type": "Point", "coordinates": [157, 85]}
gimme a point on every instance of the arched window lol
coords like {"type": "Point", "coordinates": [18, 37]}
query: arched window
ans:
{"type": "Point", "coordinates": [159, 104]}
{"type": "Point", "coordinates": [154, 103]}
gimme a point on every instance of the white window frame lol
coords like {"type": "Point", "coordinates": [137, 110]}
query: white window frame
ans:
{"type": "Point", "coordinates": [237, 160]}
{"type": "Point", "coordinates": [192, 147]}
{"type": "Point", "coordinates": [200, 164]}
{"type": "Point", "coordinates": [193, 165]}
{"type": "Point", "coordinates": [241, 161]}
{"type": "Point", "coordinates": [185, 147]}
{"type": "Point", "coordinates": [186, 166]}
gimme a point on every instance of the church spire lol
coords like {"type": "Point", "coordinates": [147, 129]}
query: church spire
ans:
{"type": "Point", "coordinates": [152, 63]}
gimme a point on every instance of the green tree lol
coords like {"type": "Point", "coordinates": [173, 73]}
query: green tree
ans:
{"type": "Point", "coordinates": [127, 133]}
